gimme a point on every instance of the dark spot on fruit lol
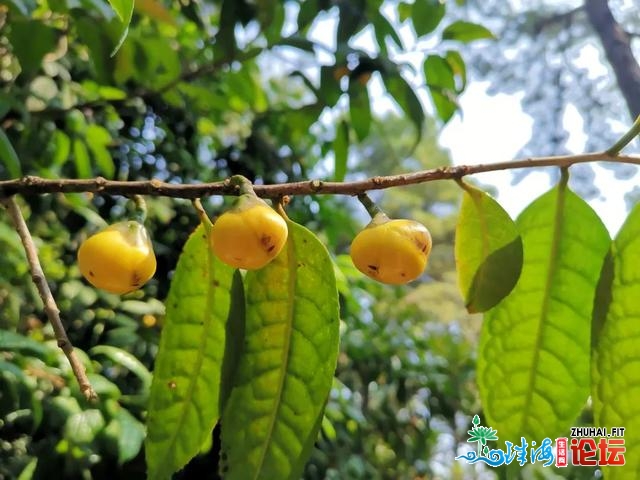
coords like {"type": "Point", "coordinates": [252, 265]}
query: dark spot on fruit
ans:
{"type": "Point", "coordinates": [172, 384]}
{"type": "Point", "coordinates": [373, 267]}
{"type": "Point", "coordinates": [216, 283]}
{"type": "Point", "coordinates": [402, 274]}
{"type": "Point", "coordinates": [266, 242]}
{"type": "Point", "coordinates": [135, 280]}
{"type": "Point", "coordinates": [91, 274]}
{"type": "Point", "coordinates": [300, 264]}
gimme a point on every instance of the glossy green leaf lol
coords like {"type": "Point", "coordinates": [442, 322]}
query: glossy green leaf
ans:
{"type": "Point", "coordinates": [466, 32]}
{"type": "Point", "coordinates": [31, 40]}
{"type": "Point", "coordinates": [341, 151]}
{"type": "Point", "coordinates": [616, 354]}
{"type": "Point", "coordinates": [488, 251]}
{"type": "Point", "coordinates": [534, 353]}
{"type": "Point", "coordinates": [9, 157]}
{"type": "Point", "coordinates": [124, 10]}
{"type": "Point", "coordinates": [124, 359]}
{"type": "Point", "coordinates": [426, 15]}
{"type": "Point", "coordinates": [184, 399]}
{"type": "Point", "coordinates": [275, 409]}
{"type": "Point", "coordinates": [359, 108]}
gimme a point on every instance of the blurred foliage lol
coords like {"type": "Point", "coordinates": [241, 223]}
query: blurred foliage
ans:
{"type": "Point", "coordinates": [276, 91]}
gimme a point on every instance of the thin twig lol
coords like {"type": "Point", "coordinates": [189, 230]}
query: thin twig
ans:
{"type": "Point", "coordinates": [36, 185]}
{"type": "Point", "coordinates": [50, 307]}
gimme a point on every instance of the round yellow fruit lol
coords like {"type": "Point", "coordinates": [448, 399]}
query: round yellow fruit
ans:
{"type": "Point", "coordinates": [119, 258]}
{"type": "Point", "coordinates": [394, 252]}
{"type": "Point", "coordinates": [249, 237]}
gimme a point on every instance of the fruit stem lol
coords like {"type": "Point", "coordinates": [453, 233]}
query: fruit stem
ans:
{"type": "Point", "coordinates": [202, 214]}
{"type": "Point", "coordinates": [244, 185]}
{"type": "Point", "coordinates": [140, 210]}
{"type": "Point", "coordinates": [373, 209]}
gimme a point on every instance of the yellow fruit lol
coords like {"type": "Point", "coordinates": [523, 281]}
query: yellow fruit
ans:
{"type": "Point", "coordinates": [392, 251]}
{"type": "Point", "coordinates": [249, 236]}
{"type": "Point", "coordinates": [119, 258]}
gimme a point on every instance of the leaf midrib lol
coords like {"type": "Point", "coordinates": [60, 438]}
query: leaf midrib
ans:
{"type": "Point", "coordinates": [286, 350]}
{"type": "Point", "coordinates": [553, 264]}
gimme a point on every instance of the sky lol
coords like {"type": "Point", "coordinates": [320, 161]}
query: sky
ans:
{"type": "Point", "coordinates": [488, 128]}
{"type": "Point", "coordinates": [493, 129]}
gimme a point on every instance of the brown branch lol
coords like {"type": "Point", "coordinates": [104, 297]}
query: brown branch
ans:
{"type": "Point", "coordinates": [36, 185]}
{"type": "Point", "coordinates": [50, 307]}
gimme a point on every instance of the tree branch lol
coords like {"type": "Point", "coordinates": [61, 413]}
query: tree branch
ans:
{"type": "Point", "coordinates": [36, 185]}
{"type": "Point", "coordinates": [50, 307]}
{"type": "Point", "coordinates": [617, 47]}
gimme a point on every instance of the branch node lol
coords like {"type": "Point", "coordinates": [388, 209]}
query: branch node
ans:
{"type": "Point", "coordinates": [155, 184]}
{"type": "Point", "coordinates": [100, 182]}
{"type": "Point", "coordinates": [315, 185]}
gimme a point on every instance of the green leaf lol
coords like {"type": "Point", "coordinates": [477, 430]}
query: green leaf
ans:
{"type": "Point", "coordinates": [488, 251]}
{"type": "Point", "coordinates": [9, 157]}
{"type": "Point", "coordinates": [124, 10]}
{"type": "Point", "coordinates": [12, 341]}
{"type": "Point", "coordinates": [341, 151]}
{"type": "Point", "coordinates": [125, 359]}
{"type": "Point", "coordinates": [458, 67]}
{"type": "Point", "coordinates": [62, 147]}
{"type": "Point", "coordinates": [129, 434]}
{"type": "Point", "coordinates": [98, 139]}
{"type": "Point", "coordinates": [444, 102]}
{"type": "Point", "coordinates": [82, 427]}
{"type": "Point", "coordinates": [438, 72]}
{"type": "Point", "coordinates": [359, 108]}
{"type": "Point", "coordinates": [616, 355]}
{"type": "Point", "coordinates": [275, 408]}
{"type": "Point", "coordinates": [185, 392]}
{"type": "Point", "coordinates": [407, 99]}
{"type": "Point", "coordinates": [534, 353]}
{"type": "Point", "coordinates": [426, 15]}
{"type": "Point", "coordinates": [81, 159]}
{"type": "Point", "coordinates": [329, 90]}
{"type": "Point", "coordinates": [466, 32]}
{"type": "Point", "coordinates": [384, 29]}
{"type": "Point", "coordinates": [31, 41]}
{"type": "Point", "coordinates": [234, 338]}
